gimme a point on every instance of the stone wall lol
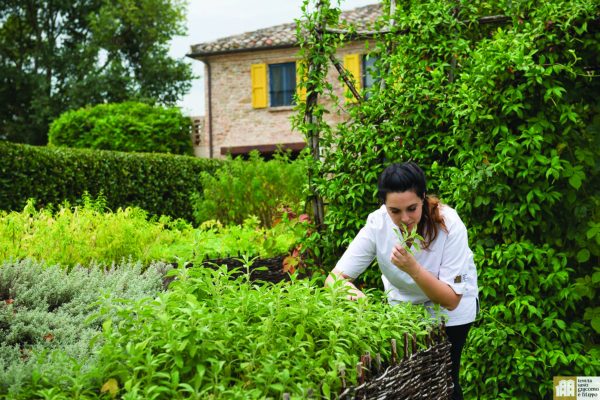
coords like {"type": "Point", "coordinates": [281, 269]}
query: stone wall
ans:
{"type": "Point", "coordinates": [234, 122]}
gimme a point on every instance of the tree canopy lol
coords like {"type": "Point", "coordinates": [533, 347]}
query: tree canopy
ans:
{"type": "Point", "coordinates": [65, 54]}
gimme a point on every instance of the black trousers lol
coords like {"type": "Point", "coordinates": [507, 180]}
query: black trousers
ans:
{"type": "Point", "coordinates": [457, 335]}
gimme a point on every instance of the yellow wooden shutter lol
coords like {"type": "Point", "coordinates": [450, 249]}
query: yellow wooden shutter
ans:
{"type": "Point", "coordinates": [258, 75]}
{"type": "Point", "coordinates": [352, 65]}
{"type": "Point", "coordinates": [301, 91]}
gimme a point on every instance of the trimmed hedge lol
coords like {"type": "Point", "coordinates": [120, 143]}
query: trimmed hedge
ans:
{"type": "Point", "coordinates": [128, 126]}
{"type": "Point", "coordinates": [159, 183]}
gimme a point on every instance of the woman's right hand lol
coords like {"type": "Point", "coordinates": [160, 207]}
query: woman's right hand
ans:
{"type": "Point", "coordinates": [354, 293]}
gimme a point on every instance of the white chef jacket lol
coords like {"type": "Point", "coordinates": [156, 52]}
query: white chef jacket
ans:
{"type": "Point", "coordinates": [448, 258]}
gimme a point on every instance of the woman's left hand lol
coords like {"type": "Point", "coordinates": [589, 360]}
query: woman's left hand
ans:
{"type": "Point", "coordinates": [402, 259]}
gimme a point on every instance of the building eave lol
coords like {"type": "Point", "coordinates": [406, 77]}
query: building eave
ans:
{"type": "Point", "coordinates": [203, 55]}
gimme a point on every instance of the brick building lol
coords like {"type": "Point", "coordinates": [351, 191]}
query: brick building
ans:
{"type": "Point", "coordinates": [250, 80]}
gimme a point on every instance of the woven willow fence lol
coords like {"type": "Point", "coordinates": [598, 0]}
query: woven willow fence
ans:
{"type": "Point", "coordinates": [423, 374]}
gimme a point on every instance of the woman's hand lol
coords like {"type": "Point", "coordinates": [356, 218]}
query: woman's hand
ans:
{"type": "Point", "coordinates": [402, 259]}
{"type": "Point", "coordinates": [354, 293]}
{"type": "Point", "coordinates": [437, 291]}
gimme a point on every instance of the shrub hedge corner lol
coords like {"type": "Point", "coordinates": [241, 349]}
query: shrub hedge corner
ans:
{"type": "Point", "coordinates": [159, 183]}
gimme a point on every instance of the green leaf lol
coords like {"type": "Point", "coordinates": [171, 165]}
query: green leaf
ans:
{"type": "Point", "coordinates": [277, 386]}
{"type": "Point", "coordinates": [596, 324]}
{"type": "Point", "coordinates": [326, 390]}
{"type": "Point", "coordinates": [583, 255]}
{"type": "Point", "coordinates": [575, 181]}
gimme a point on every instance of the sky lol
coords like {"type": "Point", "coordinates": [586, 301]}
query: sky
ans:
{"type": "Point", "coordinates": [208, 20]}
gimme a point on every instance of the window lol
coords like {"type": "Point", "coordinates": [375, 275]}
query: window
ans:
{"type": "Point", "coordinates": [282, 84]}
{"type": "Point", "coordinates": [363, 70]}
{"type": "Point", "coordinates": [369, 74]}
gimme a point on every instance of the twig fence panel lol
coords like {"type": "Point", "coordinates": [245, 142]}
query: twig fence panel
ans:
{"type": "Point", "coordinates": [423, 374]}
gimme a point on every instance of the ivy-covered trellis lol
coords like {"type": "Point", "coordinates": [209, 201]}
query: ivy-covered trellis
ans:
{"type": "Point", "coordinates": [498, 102]}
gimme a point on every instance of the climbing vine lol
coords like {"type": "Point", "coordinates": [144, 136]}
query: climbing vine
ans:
{"type": "Point", "coordinates": [497, 101]}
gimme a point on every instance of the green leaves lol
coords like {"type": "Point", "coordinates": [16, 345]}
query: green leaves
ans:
{"type": "Point", "coordinates": [50, 328]}
{"type": "Point", "coordinates": [89, 233]}
{"type": "Point", "coordinates": [253, 187]}
{"type": "Point", "coordinates": [63, 55]}
{"type": "Point", "coordinates": [161, 184]}
{"type": "Point", "coordinates": [251, 341]}
{"type": "Point", "coordinates": [125, 126]}
{"type": "Point", "coordinates": [503, 120]}
{"type": "Point", "coordinates": [409, 239]}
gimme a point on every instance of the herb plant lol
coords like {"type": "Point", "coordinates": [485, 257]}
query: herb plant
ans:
{"type": "Point", "coordinates": [88, 233]}
{"type": "Point", "coordinates": [408, 239]}
{"type": "Point", "coordinates": [211, 337]}
{"type": "Point", "coordinates": [252, 187]}
{"type": "Point", "coordinates": [49, 318]}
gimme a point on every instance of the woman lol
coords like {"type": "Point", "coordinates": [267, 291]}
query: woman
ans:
{"type": "Point", "coordinates": [441, 272]}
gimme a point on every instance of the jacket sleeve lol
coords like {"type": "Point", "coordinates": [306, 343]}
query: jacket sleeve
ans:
{"type": "Point", "coordinates": [361, 252]}
{"type": "Point", "coordinates": [456, 258]}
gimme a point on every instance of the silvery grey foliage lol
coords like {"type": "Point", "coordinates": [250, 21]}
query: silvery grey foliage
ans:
{"type": "Point", "coordinates": [49, 316]}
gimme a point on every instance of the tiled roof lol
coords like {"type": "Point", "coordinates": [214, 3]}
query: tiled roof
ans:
{"type": "Point", "coordinates": [280, 35]}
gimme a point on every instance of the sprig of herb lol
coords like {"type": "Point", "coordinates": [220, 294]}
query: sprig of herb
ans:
{"type": "Point", "coordinates": [409, 238]}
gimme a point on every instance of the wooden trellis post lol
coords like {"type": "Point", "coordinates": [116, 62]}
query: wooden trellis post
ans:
{"type": "Point", "coordinates": [391, 27]}
{"type": "Point", "coordinates": [313, 135]}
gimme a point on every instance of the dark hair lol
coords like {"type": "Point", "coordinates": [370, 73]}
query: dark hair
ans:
{"type": "Point", "coordinates": [402, 177]}
{"type": "Point", "coordinates": [408, 176]}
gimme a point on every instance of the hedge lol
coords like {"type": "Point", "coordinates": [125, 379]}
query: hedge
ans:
{"type": "Point", "coordinates": [159, 183]}
{"type": "Point", "coordinates": [128, 126]}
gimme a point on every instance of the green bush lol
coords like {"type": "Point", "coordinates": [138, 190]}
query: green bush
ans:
{"type": "Point", "coordinates": [48, 317]}
{"type": "Point", "coordinates": [128, 126]}
{"type": "Point", "coordinates": [161, 184]}
{"type": "Point", "coordinates": [505, 120]}
{"type": "Point", "coordinates": [88, 233]}
{"type": "Point", "coordinates": [213, 240]}
{"type": "Point", "coordinates": [211, 337]}
{"type": "Point", "coordinates": [243, 188]}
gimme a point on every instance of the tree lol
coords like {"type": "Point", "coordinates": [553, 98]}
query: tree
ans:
{"type": "Point", "coordinates": [63, 54]}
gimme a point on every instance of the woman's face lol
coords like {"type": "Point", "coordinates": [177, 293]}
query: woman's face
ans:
{"type": "Point", "coordinates": [404, 208]}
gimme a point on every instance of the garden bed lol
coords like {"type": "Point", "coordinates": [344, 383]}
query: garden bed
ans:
{"type": "Point", "coordinates": [271, 269]}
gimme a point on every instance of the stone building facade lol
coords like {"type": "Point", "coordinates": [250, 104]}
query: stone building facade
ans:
{"type": "Point", "coordinates": [241, 114]}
